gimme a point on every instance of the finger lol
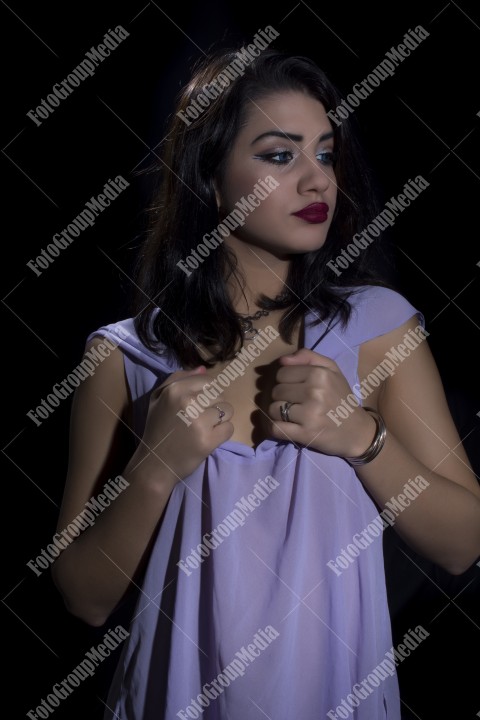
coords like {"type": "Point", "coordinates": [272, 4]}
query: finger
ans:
{"type": "Point", "coordinates": [222, 412]}
{"type": "Point", "coordinates": [290, 392]}
{"type": "Point", "coordinates": [292, 374]}
{"type": "Point", "coordinates": [180, 375]}
{"type": "Point", "coordinates": [286, 431]}
{"type": "Point", "coordinates": [294, 414]}
{"type": "Point", "coordinates": [308, 357]}
{"type": "Point", "coordinates": [223, 432]}
{"type": "Point", "coordinates": [302, 373]}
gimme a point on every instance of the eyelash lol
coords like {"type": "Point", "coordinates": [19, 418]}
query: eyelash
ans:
{"type": "Point", "coordinates": [268, 157]}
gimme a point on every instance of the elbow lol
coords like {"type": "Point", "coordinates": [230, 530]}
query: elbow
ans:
{"type": "Point", "coordinates": [460, 564]}
{"type": "Point", "coordinates": [455, 569]}
{"type": "Point", "coordinates": [458, 569]}
{"type": "Point", "coordinates": [92, 619]}
{"type": "Point", "coordinates": [81, 610]}
{"type": "Point", "coordinates": [89, 615]}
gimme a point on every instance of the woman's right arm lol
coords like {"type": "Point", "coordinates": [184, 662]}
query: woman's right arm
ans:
{"type": "Point", "coordinates": [95, 570]}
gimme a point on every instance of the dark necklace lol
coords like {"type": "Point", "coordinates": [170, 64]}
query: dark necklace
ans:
{"type": "Point", "coordinates": [246, 321]}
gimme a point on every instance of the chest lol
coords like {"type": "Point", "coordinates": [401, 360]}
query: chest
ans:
{"type": "Point", "coordinates": [250, 391]}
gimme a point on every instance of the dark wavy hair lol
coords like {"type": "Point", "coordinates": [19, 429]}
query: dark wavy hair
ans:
{"type": "Point", "coordinates": [186, 310]}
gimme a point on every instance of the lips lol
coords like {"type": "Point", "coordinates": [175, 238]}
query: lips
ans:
{"type": "Point", "coordinates": [314, 213]}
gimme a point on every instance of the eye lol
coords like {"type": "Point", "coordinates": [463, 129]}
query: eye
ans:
{"type": "Point", "coordinates": [282, 157]}
{"type": "Point", "coordinates": [327, 157]}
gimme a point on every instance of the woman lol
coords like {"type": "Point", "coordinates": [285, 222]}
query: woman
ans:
{"type": "Point", "coordinates": [277, 405]}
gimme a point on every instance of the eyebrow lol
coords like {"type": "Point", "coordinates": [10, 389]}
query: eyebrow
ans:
{"type": "Point", "coordinates": [290, 136]}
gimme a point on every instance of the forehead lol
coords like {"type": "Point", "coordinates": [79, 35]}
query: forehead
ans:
{"type": "Point", "coordinates": [290, 111]}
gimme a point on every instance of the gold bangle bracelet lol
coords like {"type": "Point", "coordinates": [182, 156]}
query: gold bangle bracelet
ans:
{"type": "Point", "coordinates": [377, 443]}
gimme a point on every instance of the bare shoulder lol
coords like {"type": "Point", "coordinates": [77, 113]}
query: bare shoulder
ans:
{"type": "Point", "coordinates": [411, 397]}
{"type": "Point", "coordinates": [391, 349]}
{"type": "Point", "coordinates": [109, 379]}
{"type": "Point", "coordinates": [99, 428]}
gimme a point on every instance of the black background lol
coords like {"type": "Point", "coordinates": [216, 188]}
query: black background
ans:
{"type": "Point", "coordinates": [423, 120]}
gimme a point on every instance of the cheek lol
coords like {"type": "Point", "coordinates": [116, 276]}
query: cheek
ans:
{"type": "Point", "coordinates": [239, 187]}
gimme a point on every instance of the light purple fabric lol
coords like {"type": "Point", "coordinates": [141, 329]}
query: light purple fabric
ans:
{"type": "Point", "coordinates": [333, 630]}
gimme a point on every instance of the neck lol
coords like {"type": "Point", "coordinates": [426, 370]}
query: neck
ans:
{"type": "Point", "coordinates": [263, 272]}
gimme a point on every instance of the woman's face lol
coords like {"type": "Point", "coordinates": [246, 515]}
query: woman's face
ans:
{"type": "Point", "coordinates": [288, 136]}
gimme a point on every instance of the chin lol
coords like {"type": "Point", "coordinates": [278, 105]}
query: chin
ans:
{"type": "Point", "coordinates": [288, 246]}
{"type": "Point", "coordinates": [306, 246]}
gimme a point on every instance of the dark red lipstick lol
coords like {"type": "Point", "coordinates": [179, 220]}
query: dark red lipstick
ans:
{"type": "Point", "coordinates": [314, 213]}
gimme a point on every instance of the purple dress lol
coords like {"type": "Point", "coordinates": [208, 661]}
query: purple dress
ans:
{"type": "Point", "coordinates": [240, 616]}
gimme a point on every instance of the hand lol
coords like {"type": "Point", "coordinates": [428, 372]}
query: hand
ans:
{"type": "Point", "coordinates": [183, 447]}
{"type": "Point", "coordinates": [315, 385]}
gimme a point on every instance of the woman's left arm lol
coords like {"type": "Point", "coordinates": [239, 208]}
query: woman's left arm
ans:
{"type": "Point", "coordinates": [442, 522]}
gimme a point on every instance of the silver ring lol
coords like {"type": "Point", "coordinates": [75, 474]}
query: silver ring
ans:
{"type": "Point", "coordinates": [284, 411]}
{"type": "Point", "coordinates": [221, 415]}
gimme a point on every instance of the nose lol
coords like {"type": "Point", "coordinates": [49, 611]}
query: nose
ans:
{"type": "Point", "coordinates": [313, 175]}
